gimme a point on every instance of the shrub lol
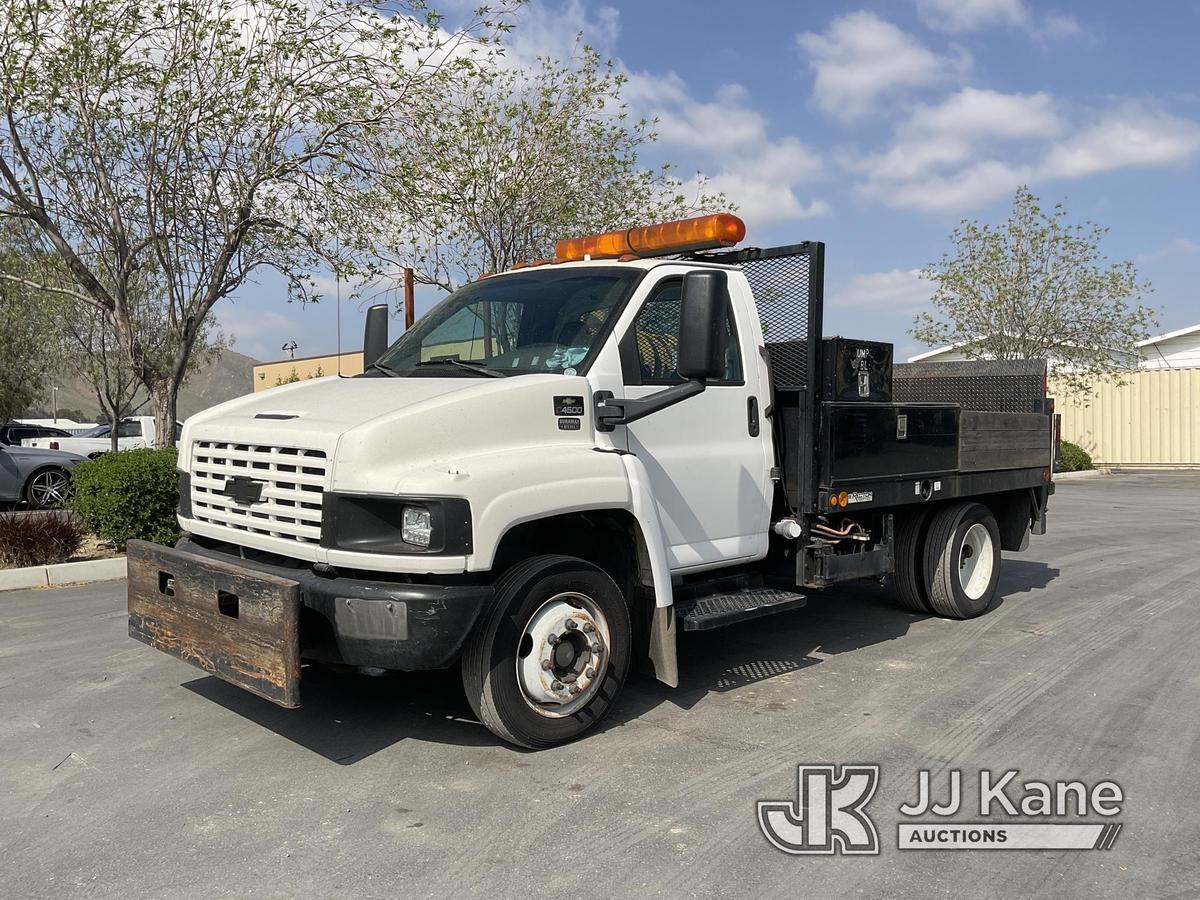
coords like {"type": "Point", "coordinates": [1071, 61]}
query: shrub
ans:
{"type": "Point", "coordinates": [127, 495]}
{"type": "Point", "coordinates": [38, 539]}
{"type": "Point", "coordinates": [1073, 458]}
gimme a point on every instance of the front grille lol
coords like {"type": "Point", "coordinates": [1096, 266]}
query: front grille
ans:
{"type": "Point", "coordinates": [293, 481]}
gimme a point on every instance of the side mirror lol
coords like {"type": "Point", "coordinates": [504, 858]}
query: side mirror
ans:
{"type": "Point", "coordinates": [703, 329]}
{"type": "Point", "coordinates": [375, 334]}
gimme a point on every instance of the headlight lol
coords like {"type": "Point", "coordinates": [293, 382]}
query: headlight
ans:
{"type": "Point", "coordinates": [371, 523]}
{"type": "Point", "coordinates": [416, 526]}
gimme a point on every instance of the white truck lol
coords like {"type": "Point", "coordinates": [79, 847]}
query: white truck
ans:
{"type": "Point", "coordinates": [562, 465]}
{"type": "Point", "coordinates": [133, 433]}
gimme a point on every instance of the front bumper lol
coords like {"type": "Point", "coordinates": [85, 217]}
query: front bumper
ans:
{"type": "Point", "coordinates": [250, 622]}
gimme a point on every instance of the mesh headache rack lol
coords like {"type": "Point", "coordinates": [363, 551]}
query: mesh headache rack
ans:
{"type": "Point", "coordinates": [788, 287]}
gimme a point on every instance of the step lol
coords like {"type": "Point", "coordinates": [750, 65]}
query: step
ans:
{"type": "Point", "coordinates": [716, 610]}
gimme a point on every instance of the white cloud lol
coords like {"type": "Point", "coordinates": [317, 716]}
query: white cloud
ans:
{"type": "Point", "coordinates": [1178, 247]}
{"type": "Point", "coordinates": [894, 291]}
{"type": "Point", "coordinates": [256, 332]}
{"type": "Point", "coordinates": [936, 160]}
{"type": "Point", "coordinates": [969, 15]}
{"type": "Point", "coordinates": [978, 145]}
{"type": "Point", "coordinates": [862, 59]}
{"type": "Point", "coordinates": [1128, 136]}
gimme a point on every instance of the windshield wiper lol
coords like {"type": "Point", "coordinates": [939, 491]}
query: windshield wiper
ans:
{"type": "Point", "coordinates": [467, 365]}
{"type": "Point", "coordinates": [386, 370]}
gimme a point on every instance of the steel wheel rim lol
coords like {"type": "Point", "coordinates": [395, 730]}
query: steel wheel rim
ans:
{"type": "Point", "coordinates": [49, 488]}
{"type": "Point", "coordinates": [976, 561]}
{"type": "Point", "coordinates": [562, 655]}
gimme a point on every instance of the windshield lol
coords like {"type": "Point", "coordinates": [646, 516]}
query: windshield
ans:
{"type": "Point", "coordinates": [544, 321]}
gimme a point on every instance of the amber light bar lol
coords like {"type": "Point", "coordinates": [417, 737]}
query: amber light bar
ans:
{"type": "Point", "coordinates": [700, 233]}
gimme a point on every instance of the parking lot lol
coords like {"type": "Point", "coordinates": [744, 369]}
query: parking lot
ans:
{"type": "Point", "coordinates": [127, 774]}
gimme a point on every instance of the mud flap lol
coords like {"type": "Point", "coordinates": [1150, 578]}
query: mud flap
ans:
{"type": "Point", "coordinates": [238, 624]}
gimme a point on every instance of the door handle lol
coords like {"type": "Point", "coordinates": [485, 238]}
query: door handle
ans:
{"type": "Point", "coordinates": [752, 416]}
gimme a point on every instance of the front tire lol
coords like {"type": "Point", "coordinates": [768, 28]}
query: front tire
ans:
{"type": "Point", "coordinates": [962, 560]}
{"type": "Point", "coordinates": [549, 656]}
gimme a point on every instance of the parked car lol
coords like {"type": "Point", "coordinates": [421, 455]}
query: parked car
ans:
{"type": "Point", "coordinates": [133, 433]}
{"type": "Point", "coordinates": [42, 478]}
{"type": "Point", "coordinates": [14, 433]}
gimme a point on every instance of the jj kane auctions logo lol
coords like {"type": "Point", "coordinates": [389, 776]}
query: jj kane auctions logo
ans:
{"type": "Point", "coordinates": [830, 815]}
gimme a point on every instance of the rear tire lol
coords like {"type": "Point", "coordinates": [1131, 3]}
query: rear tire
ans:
{"type": "Point", "coordinates": [962, 560]}
{"type": "Point", "coordinates": [48, 488]}
{"type": "Point", "coordinates": [909, 576]}
{"type": "Point", "coordinates": [550, 654]}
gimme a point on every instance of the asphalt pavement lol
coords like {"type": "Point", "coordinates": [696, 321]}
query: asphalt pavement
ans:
{"type": "Point", "coordinates": [124, 773]}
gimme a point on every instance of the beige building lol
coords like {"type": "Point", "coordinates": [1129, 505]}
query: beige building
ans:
{"type": "Point", "coordinates": [285, 371]}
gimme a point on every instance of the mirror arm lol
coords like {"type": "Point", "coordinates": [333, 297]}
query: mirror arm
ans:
{"type": "Point", "coordinates": [611, 412]}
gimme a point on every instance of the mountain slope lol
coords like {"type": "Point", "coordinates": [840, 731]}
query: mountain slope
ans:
{"type": "Point", "coordinates": [229, 376]}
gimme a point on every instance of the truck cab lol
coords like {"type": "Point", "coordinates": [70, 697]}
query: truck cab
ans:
{"type": "Point", "coordinates": [562, 465]}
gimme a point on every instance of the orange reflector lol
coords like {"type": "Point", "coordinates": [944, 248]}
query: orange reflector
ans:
{"type": "Point", "coordinates": [843, 498]}
{"type": "Point", "coordinates": [700, 233]}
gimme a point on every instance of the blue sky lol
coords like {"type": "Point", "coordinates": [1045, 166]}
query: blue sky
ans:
{"type": "Point", "coordinates": [876, 127]}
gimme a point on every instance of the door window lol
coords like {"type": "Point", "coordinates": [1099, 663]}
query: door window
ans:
{"type": "Point", "coordinates": [129, 429]}
{"type": "Point", "coordinates": [651, 348]}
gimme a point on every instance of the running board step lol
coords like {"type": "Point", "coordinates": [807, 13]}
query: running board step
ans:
{"type": "Point", "coordinates": [715, 610]}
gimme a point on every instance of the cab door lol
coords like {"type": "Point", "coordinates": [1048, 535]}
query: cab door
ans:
{"type": "Point", "coordinates": [709, 456]}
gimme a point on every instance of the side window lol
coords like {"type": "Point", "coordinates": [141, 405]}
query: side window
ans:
{"type": "Point", "coordinates": [129, 429]}
{"type": "Point", "coordinates": [654, 340]}
{"type": "Point", "coordinates": [23, 434]}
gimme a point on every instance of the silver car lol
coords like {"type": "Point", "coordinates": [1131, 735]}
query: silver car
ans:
{"type": "Point", "coordinates": [42, 478]}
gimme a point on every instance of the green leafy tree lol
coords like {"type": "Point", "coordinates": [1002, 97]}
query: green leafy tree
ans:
{"type": "Point", "coordinates": [28, 332]}
{"type": "Point", "coordinates": [208, 142]}
{"type": "Point", "coordinates": [1037, 287]}
{"type": "Point", "coordinates": [517, 158]}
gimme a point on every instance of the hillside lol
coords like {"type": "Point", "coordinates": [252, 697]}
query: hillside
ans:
{"type": "Point", "coordinates": [228, 377]}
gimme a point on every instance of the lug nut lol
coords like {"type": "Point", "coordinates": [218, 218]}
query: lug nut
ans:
{"type": "Point", "coordinates": [572, 624]}
{"type": "Point", "coordinates": [588, 627]}
{"type": "Point", "coordinates": [556, 685]}
{"type": "Point", "coordinates": [575, 689]}
{"type": "Point", "coordinates": [596, 647]}
{"type": "Point", "coordinates": [553, 640]}
{"type": "Point", "coordinates": [590, 673]}
{"type": "Point", "coordinates": [546, 666]}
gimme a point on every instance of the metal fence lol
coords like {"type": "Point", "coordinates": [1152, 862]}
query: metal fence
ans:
{"type": "Point", "coordinates": [1149, 418]}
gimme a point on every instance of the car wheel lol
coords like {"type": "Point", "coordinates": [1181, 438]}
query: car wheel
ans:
{"type": "Point", "coordinates": [48, 489]}
{"type": "Point", "coordinates": [550, 655]}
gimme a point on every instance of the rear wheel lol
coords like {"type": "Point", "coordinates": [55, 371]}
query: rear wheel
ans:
{"type": "Point", "coordinates": [48, 489]}
{"type": "Point", "coordinates": [550, 655]}
{"type": "Point", "coordinates": [962, 560]}
{"type": "Point", "coordinates": [909, 577]}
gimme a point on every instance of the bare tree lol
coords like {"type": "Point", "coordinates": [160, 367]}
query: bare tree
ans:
{"type": "Point", "coordinates": [207, 142]}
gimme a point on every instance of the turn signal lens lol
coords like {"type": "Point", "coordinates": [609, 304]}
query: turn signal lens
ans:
{"type": "Point", "coordinates": [843, 499]}
{"type": "Point", "coordinates": [700, 233]}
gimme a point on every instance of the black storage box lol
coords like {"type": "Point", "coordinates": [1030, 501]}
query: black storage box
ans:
{"type": "Point", "coordinates": [865, 441]}
{"type": "Point", "coordinates": [856, 371]}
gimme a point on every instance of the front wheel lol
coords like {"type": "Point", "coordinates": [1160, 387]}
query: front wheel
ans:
{"type": "Point", "coordinates": [548, 658]}
{"type": "Point", "coordinates": [962, 560]}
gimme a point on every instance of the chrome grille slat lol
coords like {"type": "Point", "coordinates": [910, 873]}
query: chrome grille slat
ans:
{"type": "Point", "coordinates": [294, 479]}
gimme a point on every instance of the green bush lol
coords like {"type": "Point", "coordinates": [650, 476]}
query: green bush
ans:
{"type": "Point", "coordinates": [127, 495]}
{"type": "Point", "coordinates": [38, 539]}
{"type": "Point", "coordinates": [1073, 458]}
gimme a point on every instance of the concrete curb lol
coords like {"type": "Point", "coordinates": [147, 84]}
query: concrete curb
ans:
{"type": "Point", "coordinates": [1083, 476]}
{"type": "Point", "coordinates": [62, 573]}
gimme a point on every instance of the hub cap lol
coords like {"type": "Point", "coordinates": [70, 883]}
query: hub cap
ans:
{"type": "Point", "coordinates": [563, 655]}
{"type": "Point", "coordinates": [49, 489]}
{"type": "Point", "coordinates": [976, 561]}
